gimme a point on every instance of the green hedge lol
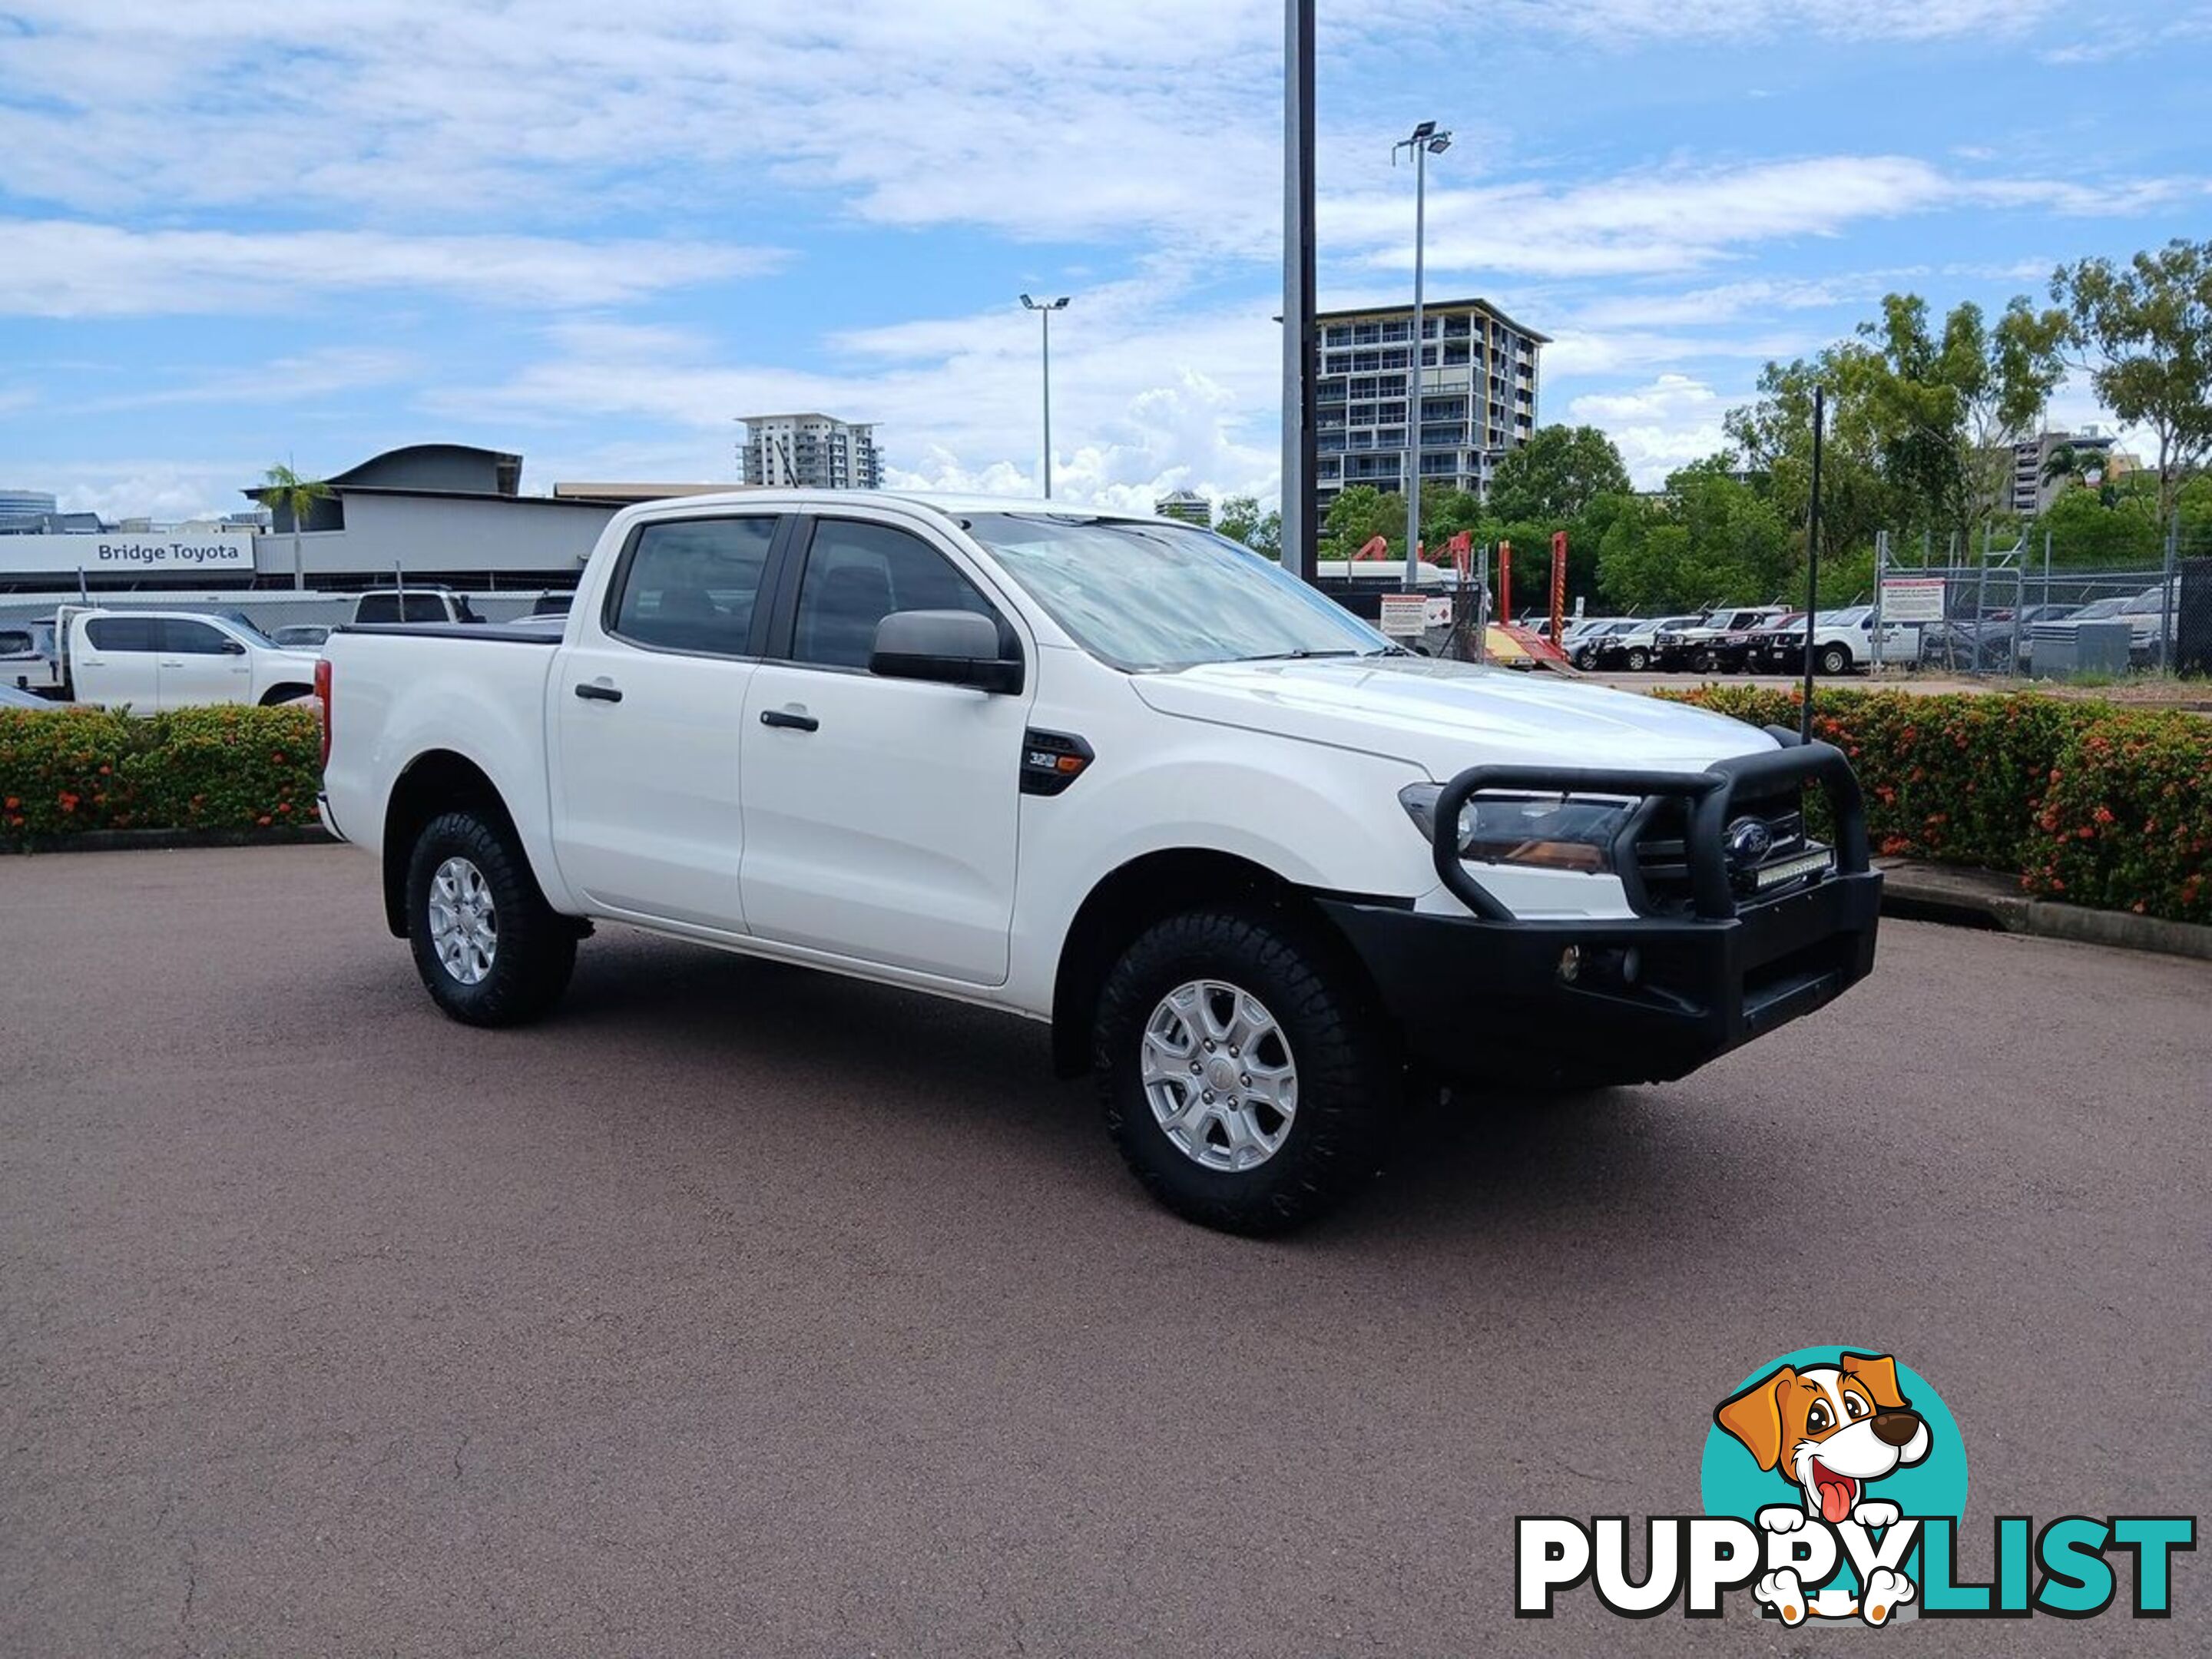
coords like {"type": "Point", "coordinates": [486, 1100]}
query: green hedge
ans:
{"type": "Point", "coordinates": [2084, 801]}
{"type": "Point", "coordinates": [64, 771]}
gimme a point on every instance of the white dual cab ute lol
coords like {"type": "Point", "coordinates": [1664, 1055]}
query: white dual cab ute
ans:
{"type": "Point", "coordinates": [1260, 869]}
{"type": "Point", "coordinates": [150, 661]}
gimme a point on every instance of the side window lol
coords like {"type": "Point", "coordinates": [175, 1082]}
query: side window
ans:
{"type": "Point", "coordinates": [120, 633]}
{"type": "Point", "coordinates": [691, 584]}
{"type": "Point", "coordinates": [376, 608]}
{"type": "Point", "coordinates": [425, 607]}
{"type": "Point", "coordinates": [859, 574]}
{"type": "Point", "coordinates": [192, 639]}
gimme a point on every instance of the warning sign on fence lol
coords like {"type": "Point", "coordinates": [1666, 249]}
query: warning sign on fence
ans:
{"type": "Point", "coordinates": [1912, 600]}
{"type": "Point", "coordinates": [1404, 615]}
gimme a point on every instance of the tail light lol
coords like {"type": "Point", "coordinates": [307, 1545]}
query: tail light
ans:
{"type": "Point", "coordinates": [323, 700]}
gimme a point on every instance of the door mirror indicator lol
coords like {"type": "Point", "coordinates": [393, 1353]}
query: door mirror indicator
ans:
{"type": "Point", "coordinates": [953, 647]}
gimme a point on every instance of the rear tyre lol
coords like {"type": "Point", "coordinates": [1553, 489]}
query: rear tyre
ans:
{"type": "Point", "coordinates": [1243, 1073]}
{"type": "Point", "coordinates": [1834, 660]}
{"type": "Point", "coordinates": [488, 948]}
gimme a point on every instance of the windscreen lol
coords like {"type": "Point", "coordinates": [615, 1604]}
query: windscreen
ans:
{"type": "Point", "coordinates": [1145, 596]}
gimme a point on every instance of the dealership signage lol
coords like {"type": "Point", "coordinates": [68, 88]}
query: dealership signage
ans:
{"type": "Point", "coordinates": [164, 553]}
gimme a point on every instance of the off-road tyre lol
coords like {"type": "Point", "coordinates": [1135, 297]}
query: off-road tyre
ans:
{"type": "Point", "coordinates": [536, 950]}
{"type": "Point", "coordinates": [1349, 1078]}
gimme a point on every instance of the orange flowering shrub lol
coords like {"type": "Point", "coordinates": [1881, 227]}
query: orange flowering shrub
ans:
{"type": "Point", "coordinates": [66, 770]}
{"type": "Point", "coordinates": [2083, 801]}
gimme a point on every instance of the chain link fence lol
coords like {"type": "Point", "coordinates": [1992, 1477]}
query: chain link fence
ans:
{"type": "Point", "coordinates": [2023, 611]}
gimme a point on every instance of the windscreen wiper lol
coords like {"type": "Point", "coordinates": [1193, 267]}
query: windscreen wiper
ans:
{"type": "Point", "coordinates": [1304, 655]}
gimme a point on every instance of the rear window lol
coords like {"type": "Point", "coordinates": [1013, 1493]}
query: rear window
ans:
{"type": "Point", "coordinates": [385, 608]}
{"type": "Point", "coordinates": [691, 584]}
{"type": "Point", "coordinates": [14, 644]}
{"type": "Point", "coordinates": [122, 634]}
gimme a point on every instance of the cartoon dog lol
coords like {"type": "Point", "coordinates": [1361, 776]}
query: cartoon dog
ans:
{"type": "Point", "coordinates": [1831, 1429]}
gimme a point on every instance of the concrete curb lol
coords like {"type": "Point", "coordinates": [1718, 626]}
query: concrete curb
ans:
{"type": "Point", "coordinates": [172, 840]}
{"type": "Point", "coordinates": [1982, 898]}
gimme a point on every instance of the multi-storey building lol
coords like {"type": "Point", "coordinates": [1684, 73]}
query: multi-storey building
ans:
{"type": "Point", "coordinates": [2033, 487]}
{"type": "Point", "coordinates": [24, 510]}
{"type": "Point", "coordinates": [810, 452]}
{"type": "Point", "coordinates": [1477, 396]}
{"type": "Point", "coordinates": [1189, 506]}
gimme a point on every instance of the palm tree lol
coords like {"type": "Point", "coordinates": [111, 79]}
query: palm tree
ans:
{"type": "Point", "coordinates": [283, 487]}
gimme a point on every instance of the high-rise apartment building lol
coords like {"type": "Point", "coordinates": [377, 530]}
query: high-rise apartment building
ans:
{"type": "Point", "coordinates": [1477, 396]}
{"type": "Point", "coordinates": [2034, 484]}
{"type": "Point", "coordinates": [810, 452]}
{"type": "Point", "coordinates": [1189, 506]}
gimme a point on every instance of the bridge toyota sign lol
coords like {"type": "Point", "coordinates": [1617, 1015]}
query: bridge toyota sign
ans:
{"type": "Point", "coordinates": [171, 553]}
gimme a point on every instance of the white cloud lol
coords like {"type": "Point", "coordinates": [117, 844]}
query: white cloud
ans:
{"type": "Point", "coordinates": [1677, 217]}
{"type": "Point", "coordinates": [67, 267]}
{"type": "Point", "coordinates": [1148, 394]}
{"type": "Point", "coordinates": [309, 374]}
{"type": "Point", "coordinates": [1658, 427]}
{"type": "Point", "coordinates": [154, 488]}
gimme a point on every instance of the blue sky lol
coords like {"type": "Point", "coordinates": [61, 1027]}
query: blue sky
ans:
{"type": "Point", "coordinates": [233, 232]}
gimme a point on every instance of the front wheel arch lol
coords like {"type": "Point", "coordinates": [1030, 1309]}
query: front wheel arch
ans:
{"type": "Point", "coordinates": [1132, 898]}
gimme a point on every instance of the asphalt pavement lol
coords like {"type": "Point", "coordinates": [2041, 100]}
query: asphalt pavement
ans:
{"type": "Point", "coordinates": [742, 1310]}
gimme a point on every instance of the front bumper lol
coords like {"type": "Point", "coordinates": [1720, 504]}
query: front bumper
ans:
{"type": "Point", "coordinates": [1488, 998]}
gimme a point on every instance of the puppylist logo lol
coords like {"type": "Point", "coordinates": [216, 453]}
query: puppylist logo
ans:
{"type": "Point", "coordinates": [1834, 1482]}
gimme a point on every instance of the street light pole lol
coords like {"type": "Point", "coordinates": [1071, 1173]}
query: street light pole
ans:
{"type": "Point", "coordinates": [1044, 308]}
{"type": "Point", "coordinates": [1425, 141]}
{"type": "Point", "coordinates": [1301, 348]}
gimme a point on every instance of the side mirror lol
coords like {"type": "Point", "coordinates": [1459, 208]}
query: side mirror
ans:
{"type": "Point", "coordinates": [232, 648]}
{"type": "Point", "coordinates": [953, 647]}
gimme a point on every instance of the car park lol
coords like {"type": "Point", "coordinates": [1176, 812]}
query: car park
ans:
{"type": "Point", "coordinates": [1258, 868]}
{"type": "Point", "coordinates": [1718, 642]}
{"type": "Point", "coordinates": [1586, 650]}
{"type": "Point", "coordinates": [1635, 648]}
{"type": "Point", "coordinates": [1842, 640]}
{"type": "Point", "coordinates": [1983, 644]}
{"type": "Point", "coordinates": [150, 661]}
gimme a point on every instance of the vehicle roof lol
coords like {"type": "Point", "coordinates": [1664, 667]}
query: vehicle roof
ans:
{"type": "Point", "coordinates": [950, 504]}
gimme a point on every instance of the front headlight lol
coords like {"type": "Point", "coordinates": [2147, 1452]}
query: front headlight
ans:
{"type": "Point", "coordinates": [1555, 832]}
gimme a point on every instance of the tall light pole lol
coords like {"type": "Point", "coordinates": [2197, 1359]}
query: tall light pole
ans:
{"type": "Point", "coordinates": [1044, 308]}
{"type": "Point", "coordinates": [1427, 140]}
{"type": "Point", "coordinates": [1301, 348]}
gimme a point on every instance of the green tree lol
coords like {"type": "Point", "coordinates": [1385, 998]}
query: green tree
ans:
{"type": "Point", "coordinates": [1739, 546]}
{"type": "Point", "coordinates": [283, 491]}
{"type": "Point", "coordinates": [1945, 410]}
{"type": "Point", "coordinates": [1358, 514]}
{"type": "Point", "coordinates": [1241, 520]}
{"type": "Point", "coordinates": [2084, 529]}
{"type": "Point", "coordinates": [1557, 474]}
{"type": "Point", "coordinates": [1773, 439]}
{"type": "Point", "coordinates": [2148, 329]}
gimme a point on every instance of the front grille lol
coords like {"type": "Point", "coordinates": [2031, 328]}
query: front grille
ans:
{"type": "Point", "coordinates": [1663, 861]}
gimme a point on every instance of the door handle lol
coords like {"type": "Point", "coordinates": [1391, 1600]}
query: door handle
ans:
{"type": "Point", "coordinates": [590, 693]}
{"type": "Point", "coordinates": [789, 720]}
